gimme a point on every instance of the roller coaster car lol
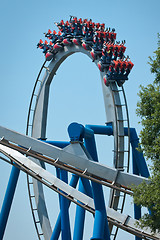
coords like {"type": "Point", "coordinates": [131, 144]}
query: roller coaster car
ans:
{"type": "Point", "coordinates": [58, 46]}
{"type": "Point", "coordinates": [108, 79]}
{"type": "Point", "coordinates": [66, 41]}
{"type": "Point", "coordinates": [40, 44]}
{"type": "Point", "coordinates": [94, 56]}
{"type": "Point", "coordinates": [77, 41]}
{"type": "Point", "coordinates": [97, 49]}
{"type": "Point", "coordinates": [100, 67]}
{"type": "Point", "coordinates": [118, 77]}
{"type": "Point", "coordinates": [86, 46]}
{"type": "Point", "coordinates": [103, 66]}
{"type": "Point", "coordinates": [96, 52]}
{"type": "Point", "coordinates": [49, 56]}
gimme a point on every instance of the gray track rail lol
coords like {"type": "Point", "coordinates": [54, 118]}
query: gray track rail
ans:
{"type": "Point", "coordinates": [120, 220]}
{"type": "Point", "coordinates": [30, 183]}
{"type": "Point", "coordinates": [62, 158]}
{"type": "Point", "coordinates": [37, 118]}
{"type": "Point", "coordinates": [117, 198]}
{"type": "Point", "coordinates": [70, 161]}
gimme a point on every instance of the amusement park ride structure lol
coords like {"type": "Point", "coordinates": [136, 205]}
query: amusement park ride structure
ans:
{"type": "Point", "coordinates": [78, 157]}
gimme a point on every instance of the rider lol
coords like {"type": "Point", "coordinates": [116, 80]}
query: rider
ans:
{"type": "Point", "coordinates": [122, 49]}
{"type": "Point", "coordinates": [40, 44]}
{"type": "Point", "coordinates": [112, 35]}
{"type": "Point", "coordinates": [129, 66]}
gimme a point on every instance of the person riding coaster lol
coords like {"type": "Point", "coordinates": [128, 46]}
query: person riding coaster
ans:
{"type": "Point", "coordinates": [52, 36]}
{"type": "Point", "coordinates": [118, 71]}
{"type": "Point", "coordinates": [121, 50]}
{"type": "Point", "coordinates": [106, 58]}
{"type": "Point", "coordinates": [40, 44]}
{"type": "Point", "coordinates": [112, 35]}
{"type": "Point", "coordinates": [48, 34]}
{"type": "Point", "coordinates": [59, 42]}
{"type": "Point", "coordinates": [97, 46]}
{"type": "Point", "coordinates": [94, 38]}
{"type": "Point", "coordinates": [77, 40]}
{"type": "Point", "coordinates": [47, 49]}
{"type": "Point", "coordinates": [87, 33]}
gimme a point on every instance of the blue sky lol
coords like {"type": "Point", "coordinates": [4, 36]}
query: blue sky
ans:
{"type": "Point", "coordinates": [77, 94]}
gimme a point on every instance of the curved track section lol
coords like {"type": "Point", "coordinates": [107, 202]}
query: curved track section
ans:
{"type": "Point", "coordinates": [114, 113]}
{"type": "Point", "coordinates": [117, 198]}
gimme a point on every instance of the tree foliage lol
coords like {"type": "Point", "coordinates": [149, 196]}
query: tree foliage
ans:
{"type": "Point", "coordinates": [148, 109]}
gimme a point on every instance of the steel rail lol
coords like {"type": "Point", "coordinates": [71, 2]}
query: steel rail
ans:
{"type": "Point", "coordinates": [32, 108]}
{"type": "Point", "coordinates": [119, 153]}
{"type": "Point", "coordinates": [119, 140]}
{"type": "Point", "coordinates": [118, 148]}
{"type": "Point", "coordinates": [121, 224]}
{"type": "Point", "coordinates": [71, 157]}
{"type": "Point", "coordinates": [71, 169]}
{"type": "Point", "coordinates": [127, 151]}
{"type": "Point", "coordinates": [32, 96]}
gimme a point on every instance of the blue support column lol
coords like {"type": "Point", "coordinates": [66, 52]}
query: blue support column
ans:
{"type": "Point", "coordinates": [139, 167]}
{"type": "Point", "coordinates": [100, 222]}
{"type": "Point", "coordinates": [8, 199]}
{"type": "Point", "coordinates": [58, 176]}
{"type": "Point", "coordinates": [65, 222]}
{"type": "Point", "coordinates": [137, 209]}
{"type": "Point", "coordinates": [57, 228]}
{"type": "Point", "coordinates": [79, 218]}
{"type": "Point", "coordinates": [85, 187]}
{"type": "Point", "coordinates": [77, 132]}
{"type": "Point", "coordinates": [137, 155]}
{"type": "Point", "coordinates": [101, 231]}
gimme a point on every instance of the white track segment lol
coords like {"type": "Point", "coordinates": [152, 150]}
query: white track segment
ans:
{"type": "Point", "coordinates": [72, 157]}
{"type": "Point", "coordinates": [123, 221]}
{"type": "Point", "coordinates": [113, 108]}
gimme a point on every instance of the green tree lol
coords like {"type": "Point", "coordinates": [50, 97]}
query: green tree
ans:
{"type": "Point", "coordinates": [148, 109]}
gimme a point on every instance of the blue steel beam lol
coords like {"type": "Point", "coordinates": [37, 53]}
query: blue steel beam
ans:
{"type": "Point", "coordinates": [65, 222]}
{"type": "Point", "coordinates": [137, 155]}
{"type": "Point", "coordinates": [64, 204]}
{"type": "Point", "coordinates": [137, 209]}
{"type": "Point", "coordinates": [84, 187]}
{"type": "Point", "coordinates": [134, 140]}
{"type": "Point", "coordinates": [79, 217]}
{"type": "Point", "coordinates": [139, 167]}
{"type": "Point", "coordinates": [77, 132]}
{"type": "Point", "coordinates": [7, 202]}
{"type": "Point", "coordinates": [57, 227]}
{"type": "Point", "coordinates": [100, 221]}
{"type": "Point", "coordinates": [61, 144]}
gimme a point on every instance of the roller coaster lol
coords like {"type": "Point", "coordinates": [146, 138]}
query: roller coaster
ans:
{"type": "Point", "coordinates": [76, 160]}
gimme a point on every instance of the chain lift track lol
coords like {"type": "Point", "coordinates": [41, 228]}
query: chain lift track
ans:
{"type": "Point", "coordinates": [116, 108]}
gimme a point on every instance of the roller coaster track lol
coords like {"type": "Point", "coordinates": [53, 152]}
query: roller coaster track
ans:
{"type": "Point", "coordinates": [28, 132]}
{"type": "Point", "coordinates": [120, 108]}
{"type": "Point", "coordinates": [124, 222]}
{"type": "Point", "coordinates": [116, 204]}
{"type": "Point", "coordinates": [31, 155]}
